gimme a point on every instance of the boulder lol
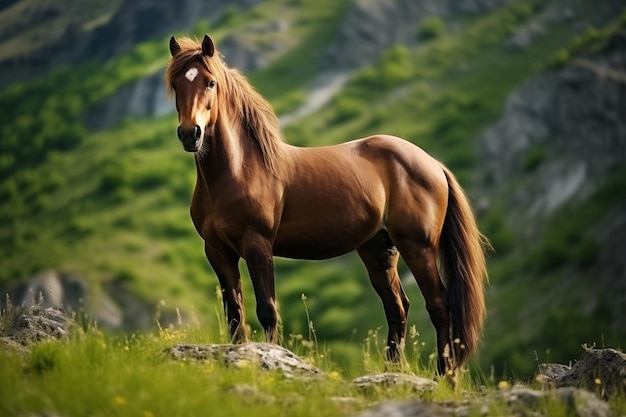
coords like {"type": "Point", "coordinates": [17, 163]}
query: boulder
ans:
{"type": "Point", "coordinates": [265, 355]}
{"type": "Point", "coordinates": [574, 401]}
{"type": "Point", "coordinates": [34, 324]}
{"type": "Point", "coordinates": [549, 373]}
{"type": "Point", "coordinates": [393, 380]}
{"type": "Point", "coordinates": [111, 305]}
{"type": "Point", "coordinates": [406, 409]}
{"type": "Point", "coordinates": [599, 370]}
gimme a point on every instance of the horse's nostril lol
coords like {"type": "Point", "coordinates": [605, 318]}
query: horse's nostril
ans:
{"type": "Point", "coordinates": [179, 132]}
{"type": "Point", "coordinates": [197, 131]}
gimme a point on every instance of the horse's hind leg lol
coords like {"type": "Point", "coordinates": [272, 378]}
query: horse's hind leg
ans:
{"type": "Point", "coordinates": [380, 257]}
{"type": "Point", "coordinates": [420, 256]}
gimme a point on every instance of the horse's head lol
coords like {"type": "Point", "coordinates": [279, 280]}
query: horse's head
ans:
{"type": "Point", "coordinates": [195, 89]}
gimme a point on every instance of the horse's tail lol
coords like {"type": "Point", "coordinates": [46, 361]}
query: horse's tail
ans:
{"type": "Point", "coordinates": [462, 260]}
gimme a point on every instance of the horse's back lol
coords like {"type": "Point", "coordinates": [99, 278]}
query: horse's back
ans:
{"type": "Point", "coordinates": [340, 196]}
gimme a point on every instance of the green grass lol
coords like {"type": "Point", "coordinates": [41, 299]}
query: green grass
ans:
{"type": "Point", "coordinates": [92, 373]}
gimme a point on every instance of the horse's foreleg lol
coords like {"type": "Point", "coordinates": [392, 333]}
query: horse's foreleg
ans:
{"type": "Point", "coordinates": [225, 265]}
{"type": "Point", "coordinates": [260, 262]}
{"type": "Point", "coordinates": [380, 257]}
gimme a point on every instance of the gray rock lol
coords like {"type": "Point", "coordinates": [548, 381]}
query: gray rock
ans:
{"type": "Point", "coordinates": [111, 306]}
{"type": "Point", "coordinates": [574, 401]}
{"type": "Point", "coordinates": [142, 98]}
{"type": "Point", "coordinates": [35, 324]}
{"type": "Point", "coordinates": [600, 370]}
{"type": "Point", "coordinates": [549, 373]}
{"type": "Point", "coordinates": [392, 380]}
{"type": "Point", "coordinates": [267, 356]}
{"type": "Point", "coordinates": [406, 409]}
{"type": "Point", "coordinates": [372, 26]}
{"type": "Point", "coordinates": [250, 394]}
{"type": "Point", "coordinates": [576, 117]}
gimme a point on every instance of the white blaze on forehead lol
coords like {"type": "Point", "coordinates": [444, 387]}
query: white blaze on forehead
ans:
{"type": "Point", "coordinates": [191, 74]}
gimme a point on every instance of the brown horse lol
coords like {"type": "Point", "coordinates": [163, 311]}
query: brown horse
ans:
{"type": "Point", "coordinates": [256, 197]}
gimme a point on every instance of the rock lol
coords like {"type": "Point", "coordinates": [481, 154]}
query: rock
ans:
{"type": "Point", "coordinates": [251, 394]}
{"type": "Point", "coordinates": [372, 26]}
{"type": "Point", "coordinates": [549, 373]}
{"type": "Point", "coordinates": [524, 36]}
{"type": "Point", "coordinates": [120, 28]}
{"type": "Point", "coordinates": [392, 380]}
{"type": "Point", "coordinates": [36, 323]}
{"type": "Point", "coordinates": [600, 370]}
{"type": "Point", "coordinates": [145, 97]}
{"type": "Point", "coordinates": [575, 119]}
{"type": "Point", "coordinates": [111, 306]}
{"type": "Point", "coordinates": [266, 355]}
{"type": "Point", "coordinates": [407, 409]}
{"type": "Point", "coordinates": [575, 401]}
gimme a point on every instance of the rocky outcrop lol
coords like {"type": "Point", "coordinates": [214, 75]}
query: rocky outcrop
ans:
{"type": "Point", "coordinates": [111, 306]}
{"type": "Point", "coordinates": [22, 326]}
{"type": "Point", "coordinates": [266, 356]}
{"type": "Point", "coordinates": [563, 131]}
{"type": "Point", "coordinates": [392, 380]}
{"type": "Point", "coordinates": [517, 401]}
{"type": "Point", "coordinates": [129, 23]}
{"type": "Point", "coordinates": [599, 370]}
{"type": "Point", "coordinates": [145, 97]}
{"type": "Point", "coordinates": [573, 401]}
{"type": "Point", "coordinates": [407, 409]}
{"type": "Point", "coordinates": [372, 26]}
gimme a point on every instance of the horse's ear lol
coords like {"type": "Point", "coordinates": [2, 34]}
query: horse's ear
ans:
{"type": "Point", "coordinates": [174, 46]}
{"type": "Point", "coordinates": [208, 48]}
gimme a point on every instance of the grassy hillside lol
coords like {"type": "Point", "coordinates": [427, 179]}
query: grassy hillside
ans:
{"type": "Point", "coordinates": [112, 206]}
{"type": "Point", "coordinates": [95, 374]}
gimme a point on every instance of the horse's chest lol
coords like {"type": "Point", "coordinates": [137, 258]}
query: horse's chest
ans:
{"type": "Point", "coordinates": [230, 218]}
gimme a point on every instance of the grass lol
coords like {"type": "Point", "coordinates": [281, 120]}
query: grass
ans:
{"type": "Point", "coordinates": [93, 373]}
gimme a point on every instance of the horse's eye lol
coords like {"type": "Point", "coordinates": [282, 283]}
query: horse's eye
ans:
{"type": "Point", "coordinates": [211, 84]}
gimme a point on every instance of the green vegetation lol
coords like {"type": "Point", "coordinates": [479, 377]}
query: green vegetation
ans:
{"type": "Point", "coordinates": [92, 373]}
{"type": "Point", "coordinates": [430, 28]}
{"type": "Point", "coordinates": [113, 205]}
{"type": "Point", "coordinates": [591, 42]}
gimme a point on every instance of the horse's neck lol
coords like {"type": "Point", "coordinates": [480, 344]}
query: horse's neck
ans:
{"type": "Point", "coordinates": [231, 154]}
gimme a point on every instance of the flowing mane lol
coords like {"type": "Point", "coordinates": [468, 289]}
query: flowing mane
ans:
{"type": "Point", "coordinates": [237, 98]}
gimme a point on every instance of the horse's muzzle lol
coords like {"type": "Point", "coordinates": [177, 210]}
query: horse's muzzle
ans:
{"type": "Point", "coordinates": [190, 138]}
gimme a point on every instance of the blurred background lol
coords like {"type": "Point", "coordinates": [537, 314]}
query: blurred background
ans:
{"type": "Point", "coordinates": [525, 100]}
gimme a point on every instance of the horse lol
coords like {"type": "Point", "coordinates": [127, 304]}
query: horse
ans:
{"type": "Point", "coordinates": [257, 197]}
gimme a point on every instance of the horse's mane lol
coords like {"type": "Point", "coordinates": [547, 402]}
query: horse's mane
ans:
{"type": "Point", "coordinates": [236, 97]}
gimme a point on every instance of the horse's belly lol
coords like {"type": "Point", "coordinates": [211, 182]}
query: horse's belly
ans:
{"type": "Point", "coordinates": [326, 234]}
{"type": "Point", "coordinates": [307, 248]}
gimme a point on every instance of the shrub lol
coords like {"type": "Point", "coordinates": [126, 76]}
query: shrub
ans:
{"type": "Point", "coordinates": [347, 108]}
{"type": "Point", "coordinates": [229, 15]}
{"type": "Point", "coordinates": [430, 28]}
{"type": "Point", "coordinates": [395, 67]}
{"type": "Point", "coordinates": [113, 177]}
{"type": "Point", "coordinates": [533, 158]}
